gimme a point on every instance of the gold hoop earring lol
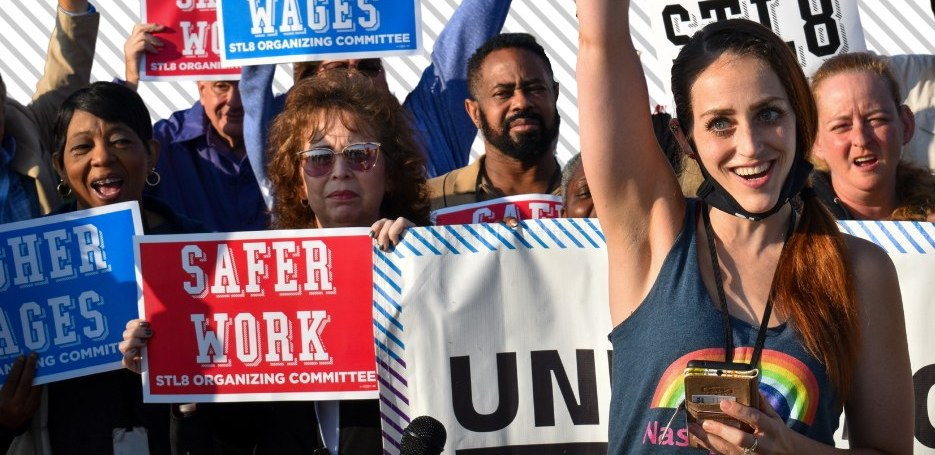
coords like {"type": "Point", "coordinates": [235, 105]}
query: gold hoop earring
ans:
{"type": "Point", "coordinates": [150, 176]}
{"type": "Point", "coordinates": [63, 189]}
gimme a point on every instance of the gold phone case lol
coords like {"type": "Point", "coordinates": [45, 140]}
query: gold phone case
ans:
{"type": "Point", "coordinates": [706, 387]}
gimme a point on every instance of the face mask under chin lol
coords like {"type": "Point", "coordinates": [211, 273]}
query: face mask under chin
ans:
{"type": "Point", "coordinates": [716, 196]}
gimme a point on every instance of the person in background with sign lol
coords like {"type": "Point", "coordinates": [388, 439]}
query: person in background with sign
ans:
{"type": "Point", "coordinates": [444, 129]}
{"type": "Point", "coordinates": [205, 172]}
{"type": "Point", "coordinates": [342, 155]}
{"type": "Point", "coordinates": [690, 278]}
{"type": "Point", "coordinates": [862, 127]}
{"type": "Point", "coordinates": [513, 97]}
{"type": "Point", "coordinates": [105, 152]}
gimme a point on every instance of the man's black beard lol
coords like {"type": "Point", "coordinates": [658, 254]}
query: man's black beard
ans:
{"type": "Point", "coordinates": [528, 147]}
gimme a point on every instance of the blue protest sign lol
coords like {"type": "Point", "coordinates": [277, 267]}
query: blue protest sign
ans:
{"type": "Point", "coordinates": [67, 289]}
{"type": "Point", "coordinates": [281, 31]}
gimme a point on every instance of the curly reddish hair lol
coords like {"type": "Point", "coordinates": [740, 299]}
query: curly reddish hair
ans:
{"type": "Point", "coordinates": [353, 99]}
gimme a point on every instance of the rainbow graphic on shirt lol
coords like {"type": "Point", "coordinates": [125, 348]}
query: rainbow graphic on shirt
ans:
{"type": "Point", "coordinates": [786, 382]}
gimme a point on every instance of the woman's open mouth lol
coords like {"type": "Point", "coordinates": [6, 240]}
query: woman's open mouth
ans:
{"type": "Point", "coordinates": [865, 161]}
{"type": "Point", "coordinates": [108, 189]}
{"type": "Point", "coordinates": [753, 173]}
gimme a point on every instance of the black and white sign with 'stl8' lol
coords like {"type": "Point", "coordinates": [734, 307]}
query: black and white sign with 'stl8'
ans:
{"type": "Point", "coordinates": [814, 29]}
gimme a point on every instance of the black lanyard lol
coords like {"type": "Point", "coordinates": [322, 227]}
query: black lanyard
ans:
{"type": "Point", "coordinates": [725, 316]}
{"type": "Point", "coordinates": [482, 177]}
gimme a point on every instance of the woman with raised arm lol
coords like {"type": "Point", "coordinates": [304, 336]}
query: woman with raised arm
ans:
{"type": "Point", "coordinates": [754, 272]}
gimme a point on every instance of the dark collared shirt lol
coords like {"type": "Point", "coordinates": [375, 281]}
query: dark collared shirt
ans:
{"type": "Point", "coordinates": [202, 178]}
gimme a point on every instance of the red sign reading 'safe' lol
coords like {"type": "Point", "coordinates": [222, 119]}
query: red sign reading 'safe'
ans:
{"type": "Point", "coordinates": [521, 207]}
{"type": "Point", "coordinates": [191, 42]}
{"type": "Point", "coordinates": [257, 316]}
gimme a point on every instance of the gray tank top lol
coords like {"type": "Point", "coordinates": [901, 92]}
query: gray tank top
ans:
{"type": "Point", "coordinates": [678, 322]}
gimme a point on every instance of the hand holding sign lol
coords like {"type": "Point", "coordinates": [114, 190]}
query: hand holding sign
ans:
{"type": "Point", "coordinates": [18, 397]}
{"type": "Point", "coordinates": [387, 233]}
{"type": "Point", "coordinates": [191, 42]}
{"type": "Point", "coordinates": [135, 337]}
{"type": "Point", "coordinates": [141, 40]}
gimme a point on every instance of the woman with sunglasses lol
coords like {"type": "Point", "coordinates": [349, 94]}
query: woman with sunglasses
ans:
{"type": "Point", "coordinates": [753, 272]}
{"type": "Point", "coordinates": [342, 154]}
{"type": "Point", "coordinates": [348, 160]}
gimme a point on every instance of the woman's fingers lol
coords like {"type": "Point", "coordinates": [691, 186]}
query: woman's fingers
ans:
{"type": "Point", "coordinates": [388, 233]}
{"type": "Point", "coordinates": [511, 221]}
{"type": "Point", "coordinates": [137, 329]}
{"type": "Point", "coordinates": [12, 380]}
{"type": "Point", "coordinates": [131, 358]}
{"type": "Point", "coordinates": [135, 337]}
{"type": "Point", "coordinates": [726, 439]}
{"type": "Point", "coordinates": [141, 38]}
{"type": "Point", "coordinates": [745, 414]}
{"type": "Point", "coordinates": [18, 397]}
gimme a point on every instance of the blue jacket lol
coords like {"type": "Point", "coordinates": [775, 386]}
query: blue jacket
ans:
{"type": "Point", "coordinates": [436, 103]}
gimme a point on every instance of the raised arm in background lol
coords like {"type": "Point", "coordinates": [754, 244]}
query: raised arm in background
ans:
{"type": "Point", "coordinates": [67, 68]}
{"type": "Point", "coordinates": [141, 40]}
{"type": "Point", "coordinates": [437, 102]}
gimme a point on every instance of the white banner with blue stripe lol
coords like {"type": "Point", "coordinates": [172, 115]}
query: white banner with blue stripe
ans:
{"type": "Point", "coordinates": [501, 334]}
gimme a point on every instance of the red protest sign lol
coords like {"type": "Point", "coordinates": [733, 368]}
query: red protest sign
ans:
{"type": "Point", "coordinates": [278, 315]}
{"type": "Point", "coordinates": [522, 207]}
{"type": "Point", "coordinates": [192, 43]}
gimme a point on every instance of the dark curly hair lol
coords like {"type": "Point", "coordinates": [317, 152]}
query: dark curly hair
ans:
{"type": "Point", "coordinates": [354, 100]}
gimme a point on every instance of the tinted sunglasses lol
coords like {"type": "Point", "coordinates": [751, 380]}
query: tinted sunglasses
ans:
{"type": "Point", "coordinates": [360, 156]}
{"type": "Point", "coordinates": [370, 67]}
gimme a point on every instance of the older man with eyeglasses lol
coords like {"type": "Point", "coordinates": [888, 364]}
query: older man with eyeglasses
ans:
{"type": "Point", "coordinates": [203, 171]}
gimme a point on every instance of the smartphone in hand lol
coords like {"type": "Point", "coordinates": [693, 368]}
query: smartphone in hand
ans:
{"type": "Point", "coordinates": [709, 383]}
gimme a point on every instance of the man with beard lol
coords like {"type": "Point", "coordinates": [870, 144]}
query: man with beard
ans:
{"type": "Point", "coordinates": [513, 103]}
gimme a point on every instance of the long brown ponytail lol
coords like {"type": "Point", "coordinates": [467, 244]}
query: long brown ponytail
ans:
{"type": "Point", "coordinates": [815, 291]}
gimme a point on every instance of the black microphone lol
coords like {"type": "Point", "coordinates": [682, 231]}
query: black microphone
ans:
{"type": "Point", "coordinates": [423, 436]}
